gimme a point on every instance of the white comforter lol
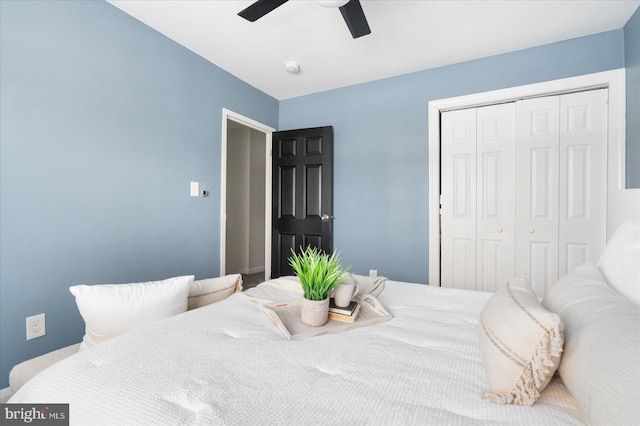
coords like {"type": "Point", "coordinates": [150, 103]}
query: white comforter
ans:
{"type": "Point", "coordinates": [226, 364]}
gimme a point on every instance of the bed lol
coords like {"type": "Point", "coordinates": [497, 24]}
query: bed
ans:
{"type": "Point", "coordinates": [227, 364]}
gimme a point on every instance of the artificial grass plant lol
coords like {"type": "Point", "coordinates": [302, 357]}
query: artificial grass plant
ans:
{"type": "Point", "coordinates": [318, 272]}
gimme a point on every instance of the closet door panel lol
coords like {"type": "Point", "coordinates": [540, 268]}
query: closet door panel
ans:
{"type": "Point", "coordinates": [495, 195]}
{"type": "Point", "coordinates": [543, 265]}
{"type": "Point", "coordinates": [458, 204]}
{"type": "Point", "coordinates": [583, 177]}
{"type": "Point", "coordinates": [537, 162]}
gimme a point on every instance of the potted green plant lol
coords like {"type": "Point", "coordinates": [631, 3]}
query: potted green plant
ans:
{"type": "Point", "coordinates": [318, 273]}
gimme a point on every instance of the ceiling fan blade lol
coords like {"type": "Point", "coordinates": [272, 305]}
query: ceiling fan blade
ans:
{"type": "Point", "coordinates": [354, 17]}
{"type": "Point", "coordinates": [260, 8]}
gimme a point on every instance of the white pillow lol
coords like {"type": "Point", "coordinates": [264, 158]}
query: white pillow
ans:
{"type": "Point", "coordinates": [620, 261]}
{"type": "Point", "coordinates": [112, 309]}
{"type": "Point", "coordinates": [602, 346]}
{"type": "Point", "coordinates": [205, 292]}
{"type": "Point", "coordinates": [520, 342]}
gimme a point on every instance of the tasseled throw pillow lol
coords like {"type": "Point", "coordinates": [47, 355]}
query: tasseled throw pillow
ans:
{"type": "Point", "coordinates": [521, 344]}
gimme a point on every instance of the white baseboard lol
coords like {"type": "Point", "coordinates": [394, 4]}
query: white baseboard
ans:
{"type": "Point", "coordinates": [5, 394]}
{"type": "Point", "coordinates": [255, 270]}
{"type": "Point", "coordinates": [247, 271]}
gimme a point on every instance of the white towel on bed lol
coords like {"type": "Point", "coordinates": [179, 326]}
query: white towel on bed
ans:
{"type": "Point", "coordinates": [369, 285]}
{"type": "Point", "coordinates": [276, 290]}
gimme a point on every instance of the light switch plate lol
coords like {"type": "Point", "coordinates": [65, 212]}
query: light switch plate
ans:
{"type": "Point", "coordinates": [195, 189]}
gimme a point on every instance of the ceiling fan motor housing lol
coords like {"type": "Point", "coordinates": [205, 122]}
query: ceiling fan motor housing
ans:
{"type": "Point", "coordinates": [332, 3]}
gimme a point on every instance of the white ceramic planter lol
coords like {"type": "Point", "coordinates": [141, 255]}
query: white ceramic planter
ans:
{"type": "Point", "coordinates": [314, 313]}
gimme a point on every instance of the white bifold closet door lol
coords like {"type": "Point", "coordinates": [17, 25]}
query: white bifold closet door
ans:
{"type": "Point", "coordinates": [523, 190]}
{"type": "Point", "coordinates": [561, 158]}
{"type": "Point", "coordinates": [478, 190]}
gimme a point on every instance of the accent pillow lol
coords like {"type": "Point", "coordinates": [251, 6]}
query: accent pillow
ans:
{"type": "Point", "coordinates": [112, 309]}
{"type": "Point", "coordinates": [620, 260]}
{"type": "Point", "coordinates": [520, 342]}
{"type": "Point", "coordinates": [602, 346]}
{"type": "Point", "coordinates": [205, 292]}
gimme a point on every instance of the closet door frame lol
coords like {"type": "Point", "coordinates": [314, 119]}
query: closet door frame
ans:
{"type": "Point", "coordinates": [613, 80]}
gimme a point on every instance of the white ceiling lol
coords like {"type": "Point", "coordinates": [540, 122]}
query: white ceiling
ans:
{"type": "Point", "coordinates": [406, 36]}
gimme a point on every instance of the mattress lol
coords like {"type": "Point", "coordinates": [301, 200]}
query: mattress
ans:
{"type": "Point", "coordinates": [227, 364]}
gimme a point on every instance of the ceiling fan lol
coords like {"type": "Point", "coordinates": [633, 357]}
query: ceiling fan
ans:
{"type": "Point", "coordinates": [351, 12]}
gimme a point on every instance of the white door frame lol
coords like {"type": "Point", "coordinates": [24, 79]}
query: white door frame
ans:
{"type": "Point", "coordinates": [268, 131]}
{"type": "Point", "coordinates": [614, 80]}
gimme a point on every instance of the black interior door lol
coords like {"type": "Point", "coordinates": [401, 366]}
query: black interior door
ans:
{"type": "Point", "coordinates": [302, 194]}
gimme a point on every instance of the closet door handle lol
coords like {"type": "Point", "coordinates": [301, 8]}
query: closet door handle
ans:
{"type": "Point", "coordinates": [531, 230]}
{"type": "Point", "coordinates": [500, 230]}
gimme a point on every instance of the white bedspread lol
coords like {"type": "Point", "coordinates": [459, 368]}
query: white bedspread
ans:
{"type": "Point", "coordinates": [226, 364]}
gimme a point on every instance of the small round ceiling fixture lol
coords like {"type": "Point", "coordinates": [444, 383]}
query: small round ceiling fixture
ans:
{"type": "Point", "coordinates": [292, 67]}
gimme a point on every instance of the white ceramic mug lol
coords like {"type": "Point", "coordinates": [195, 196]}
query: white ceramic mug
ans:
{"type": "Point", "coordinates": [343, 293]}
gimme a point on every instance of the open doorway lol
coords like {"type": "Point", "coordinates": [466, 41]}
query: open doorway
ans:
{"type": "Point", "coordinates": [245, 197]}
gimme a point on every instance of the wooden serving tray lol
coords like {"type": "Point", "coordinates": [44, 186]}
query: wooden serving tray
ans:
{"type": "Point", "coordinates": [286, 317]}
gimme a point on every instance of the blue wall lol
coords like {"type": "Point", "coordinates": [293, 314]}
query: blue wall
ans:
{"type": "Point", "coordinates": [381, 144]}
{"type": "Point", "coordinates": [104, 123]}
{"type": "Point", "coordinates": [632, 64]}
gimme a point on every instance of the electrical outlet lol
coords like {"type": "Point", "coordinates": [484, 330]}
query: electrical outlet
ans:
{"type": "Point", "coordinates": [373, 273]}
{"type": "Point", "coordinates": [36, 326]}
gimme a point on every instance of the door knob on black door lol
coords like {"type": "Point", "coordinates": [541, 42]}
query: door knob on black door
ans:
{"type": "Point", "coordinates": [325, 217]}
